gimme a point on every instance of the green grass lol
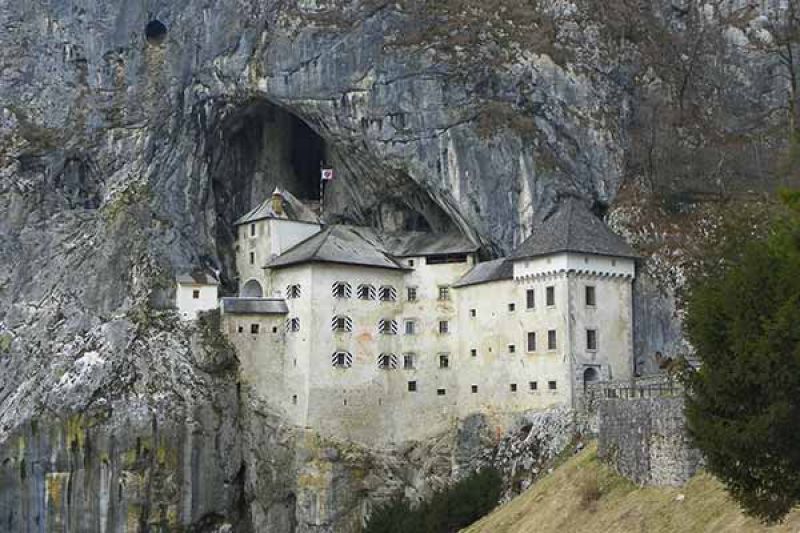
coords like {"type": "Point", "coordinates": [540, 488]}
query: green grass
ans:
{"type": "Point", "coordinates": [584, 495]}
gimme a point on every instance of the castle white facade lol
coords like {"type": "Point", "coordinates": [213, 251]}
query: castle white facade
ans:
{"type": "Point", "coordinates": [385, 338]}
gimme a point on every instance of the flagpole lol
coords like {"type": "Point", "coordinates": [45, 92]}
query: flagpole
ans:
{"type": "Point", "coordinates": [321, 189]}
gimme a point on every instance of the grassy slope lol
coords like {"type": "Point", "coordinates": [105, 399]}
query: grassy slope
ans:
{"type": "Point", "coordinates": [585, 495]}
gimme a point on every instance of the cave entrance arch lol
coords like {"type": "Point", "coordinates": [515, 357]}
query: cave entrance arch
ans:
{"type": "Point", "coordinates": [252, 289]}
{"type": "Point", "coordinates": [590, 375]}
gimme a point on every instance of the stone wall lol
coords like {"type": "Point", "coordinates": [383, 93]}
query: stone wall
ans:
{"type": "Point", "coordinates": [645, 440]}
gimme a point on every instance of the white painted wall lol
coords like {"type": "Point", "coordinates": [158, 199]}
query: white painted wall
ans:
{"type": "Point", "coordinates": [188, 306]}
{"type": "Point", "coordinates": [565, 262]}
{"type": "Point", "coordinates": [286, 233]}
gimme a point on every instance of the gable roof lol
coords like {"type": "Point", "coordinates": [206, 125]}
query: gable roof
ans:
{"type": "Point", "coordinates": [418, 243]}
{"type": "Point", "coordinates": [496, 270]}
{"type": "Point", "coordinates": [351, 245]}
{"type": "Point", "coordinates": [196, 277]}
{"type": "Point", "coordinates": [573, 228]}
{"type": "Point", "coordinates": [293, 209]}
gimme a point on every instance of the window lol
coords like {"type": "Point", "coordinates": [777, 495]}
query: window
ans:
{"type": "Point", "coordinates": [411, 262]}
{"type": "Point", "coordinates": [551, 296]}
{"type": "Point", "coordinates": [293, 324]}
{"type": "Point", "coordinates": [532, 385]}
{"type": "Point", "coordinates": [512, 348]}
{"type": "Point", "coordinates": [196, 294]}
{"type": "Point", "coordinates": [591, 339]}
{"type": "Point", "coordinates": [512, 308]}
{"type": "Point", "coordinates": [342, 324]}
{"type": "Point", "coordinates": [293, 291]}
{"type": "Point", "coordinates": [387, 361]}
{"type": "Point", "coordinates": [444, 327]}
{"type": "Point", "coordinates": [342, 359]}
{"type": "Point", "coordinates": [274, 329]}
{"type": "Point", "coordinates": [590, 296]}
{"type": "Point", "coordinates": [252, 230]}
{"type": "Point", "coordinates": [409, 361]}
{"type": "Point", "coordinates": [254, 329]}
{"type": "Point", "coordinates": [387, 326]}
{"type": "Point", "coordinates": [472, 313]}
{"type": "Point", "coordinates": [441, 392]}
{"type": "Point", "coordinates": [252, 258]}
{"type": "Point", "coordinates": [365, 292]}
{"type": "Point", "coordinates": [341, 289]}
{"type": "Point", "coordinates": [551, 385]}
{"type": "Point", "coordinates": [551, 339]}
{"type": "Point", "coordinates": [474, 389]}
{"type": "Point", "coordinates": [444, 292]}
{"type": "Point", "coordinates": [294, 399]}
{"type": "Point", "coordinates": [444, 360]}
{"type": "Point", "coordinates": [387, 293]}
{"type": "Point", "coordinates": [530, 299]}
{"type": "Point", "coordinates": [411, 327]}
{"type": "Point", "coordinates": [411, 293]}
{"type": "Point", "coordinates": [240, 329]}
{"type": "Point", "coordinates": [412, 386]}
{"type": "Point", "coordinates": [531, 341]}
{"type": "Point", "coordinates": [513, 387]}
{"type": "Point", "coordinates": [473, 352]}
{"type": "Point", "coordinates": [445, 258]}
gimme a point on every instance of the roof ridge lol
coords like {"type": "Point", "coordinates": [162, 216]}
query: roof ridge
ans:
{"type": "Point", "coordinates": [327, 231]}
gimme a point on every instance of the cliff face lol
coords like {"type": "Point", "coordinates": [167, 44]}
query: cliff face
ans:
{"type": "Point", "coordinates": [132, 134]}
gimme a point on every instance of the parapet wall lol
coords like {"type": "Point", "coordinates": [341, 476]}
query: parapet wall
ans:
{"type": "Point", "coordinates": [645, 439]}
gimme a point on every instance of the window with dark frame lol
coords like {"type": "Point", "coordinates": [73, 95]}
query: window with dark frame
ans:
{"type": "Point", "coordinates": [444, 327]}
{"type": "Point", "coordinates": [512, 348]}
{"type": "Point", "coordinates": [591, 339]}
{"type": "Point", "coordinates": [293, 325]}
{"type": "Point", "coordinates": [551, 385]}
{"type": "Point", "coordinates": [441, 392]}
{"type": "Point", "coordinates": [513, 387]}
{"type": "Point", "coordinates": [240, 329]}
{"type": "Point", "coordinates": [530, 299]}
{"type": "Point", "coordinates": [531, 341]}
{"type": "Point", "coordinates": [532, 385]}
{"type": "Point", "coordinates": [365, 292]}
{"type": "Point", "coordinates": [341, 289]}
{"type": "Point", "coordinates": [474, 389]}
{"type": "Point", "coordinates": [293, 291]}
{"type": "Point", "coordinates": [473, 352]}
{"type": "Point", "coordinates": [254, 329]}
{"type": "Point", "coordinates": [408, 361]}
{"type": "Point", "coordinates": [342, 324]}
{"type": "Point", "coordinates": [387, 293]}
{"type": "Point", "coordinates": [551, 339]}
{"type": "Point", "coordinates": [591, 300]}
{"type": "Point", "coordinates": [252, 258]}
{"type": "Point", "coordinates": [512, 308]}
{"type": "Point", "coordinates": [473, 313]}
{"type": "Point", "coordinates": [252, 230]}
{"type": "Point", "coordinates": [196, 294]}
{"type": "Point", "coordinates": [412, 386]}
{"type": "Point", "coordinates": [444, 360]}
{"type": "Point", "coordinates": [411, 327]}
{"type": "Point", "coordinates": [551, 296]}
{"type": "Point", "coordinates": [342, 359]}
{"type": "Point", "coordinates": [411, 294]}
{"type": "Point", "coordinates": [444, 292]}
{"type": "Point", "coordinates": [387, 326]}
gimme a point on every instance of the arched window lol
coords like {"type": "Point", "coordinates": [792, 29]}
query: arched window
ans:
{"type": "Point", "coordinates": [590, 375]}
{"type": "Point", "coordinates": [342, 359]}
{"type": "Point", "coordinates": [387, 293]}
{"type": "Point", "coordinates": [387, 326]}
{"type": "Point", "coordinates": [341, 289]}
{"type": "Point", "coordinates": [341, 324]}
{"type": "Point", "coordinates": [252, 289]}
{"type": "Point", "coordinates": [365, 292]}
{"type": "Point", "coordinates": [387, 361]}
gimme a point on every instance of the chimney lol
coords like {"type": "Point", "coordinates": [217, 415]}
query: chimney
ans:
{"type": "Point", "coordinates": [277, 202]}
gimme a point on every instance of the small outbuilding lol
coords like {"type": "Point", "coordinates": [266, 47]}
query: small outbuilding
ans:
{"type": "Point", "coordinates": [196, 291]}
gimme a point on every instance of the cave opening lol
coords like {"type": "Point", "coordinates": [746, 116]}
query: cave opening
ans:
{"type": "Point", "coordinates": [155, 32]}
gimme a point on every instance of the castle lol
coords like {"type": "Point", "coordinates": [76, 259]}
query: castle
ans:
{"type": "Point", "coordinates": [381, 338]}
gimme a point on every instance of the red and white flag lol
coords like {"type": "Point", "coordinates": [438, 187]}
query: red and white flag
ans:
{"type": "Point", "coordinates": [327, 174]}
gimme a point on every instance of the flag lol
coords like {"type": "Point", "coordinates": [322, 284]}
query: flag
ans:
{"type": "Point", "coordinates": [327, 174]}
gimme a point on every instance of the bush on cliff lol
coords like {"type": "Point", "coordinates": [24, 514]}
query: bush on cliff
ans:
{"type": "Point", "coordinates": [448, 510]}
{"type": "Point", "coordinates": [743, 409]}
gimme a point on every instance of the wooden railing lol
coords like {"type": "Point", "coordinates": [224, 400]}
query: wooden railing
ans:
{"type": "Point", "coordinates": [657, 386]}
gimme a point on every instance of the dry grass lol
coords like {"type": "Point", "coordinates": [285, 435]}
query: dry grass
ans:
{"type": "Point", "coordinates": [584, 495]}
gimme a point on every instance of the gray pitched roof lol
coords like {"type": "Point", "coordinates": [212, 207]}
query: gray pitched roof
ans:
{"type": "Point", "coordinates": [573, 228]}
{"type": "Point", "coordinates": [338, 244]}
{"type": "Point", "coordinates": [496, 270]}
{"type": "Point", "coordinates": [254, 306]}
{"type": "Point", "coordinates": [293, 209]}
{"type": "Point", "coordinates": [196, 277]}
{"type": "Point", "coordinates": [417, 243]}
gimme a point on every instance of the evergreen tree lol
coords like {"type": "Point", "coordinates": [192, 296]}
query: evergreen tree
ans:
{"type": "Point", "coordinates": [743, 406]}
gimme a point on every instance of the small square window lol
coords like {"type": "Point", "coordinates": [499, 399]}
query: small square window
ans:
{"type": "Point", "coordinates": [411, 293]}
{"type": "Point", "coordinates": [512, 308]}
{"type": "Point", "coordinates": [411, 262]}
{"type": "Point", "coordinates": [513, 387]}
{"type": "Point", "coordinates": [252, 258]}
{"type": "Point", "coordinates": [591, 300]}
{"type": "Point", "coordinates": [551, 339]}
{"type": "Point", "coordinates": [512, 348]}
{"type": "Point", "coordinates": [254, 329]}
{"type": "Point", "coordinates": [196, 294]}
{"type": "Point", "coordinates": [531, 341]}
{"type": "Point", "coordinates": [474, 389]}
{"type": "Point", "coordinates": [444, 327]}
{"type": "Point", "coordinates": [591, 339]}
{"type": "Point", "coordinates": [411, 327]}
{"type": "Point", "coordinates": [551, 296]}
{"type": "Point", "coordinates": [274, 329]}
{"type": "Point", "coordinates": [472, 313]}
{"type": "Point", "coordinates": [444, 292]}
{"type": "Point", "coordinates": [551, 385]}
{"type": "Point", "coordinates": [532, 385]}
{"type": "Point", "coordinates": [240, 329]}
{"type": "Point", "coordinates": [530, 299]}
{"type": "Point", "coordinates": [473, 352]}
{"type": "Point", "coordinates": [441, 392]}
{"type": "Point", "coordinates": [412, 386]}
{"type": "Point", "coordinates": [408, 361]}
{"type": "Point", "coordinates": [444, 361]}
